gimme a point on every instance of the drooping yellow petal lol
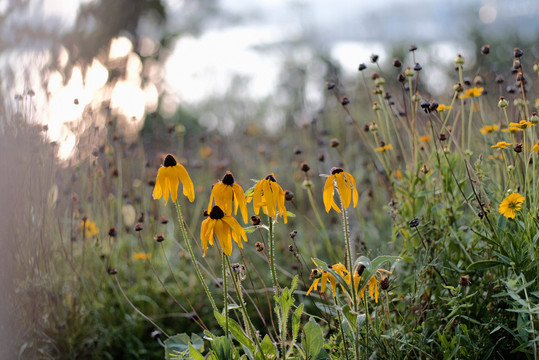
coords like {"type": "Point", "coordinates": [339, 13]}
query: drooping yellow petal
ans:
{"type": "Point", "coordinates": [344, 190]}
{"type": "Point", "coordinates": [270, 205]}
{"type": "Point", "coordinates": [157, 190]}
{"type": "Point", "coordinates": [328, 194]}
{"type": "Point", "coordinates": [236, 228]}
{"type": "Point", "coordinates": [324, 281]}
{"type": "Point", "coordinates": [257, 197]}
{"type": "Point", "coordinates": [239, 200]}
{"type": "Point", "coordinates": [188, 188]}
{"type": "Point", "coordinates": [174, 183]}
{"type": "Point", "coordinates": [314, 286]}
{"type": "Point", "coordinates": [355, 195]}
{"type": "Point", "coordinates": [204, 234]}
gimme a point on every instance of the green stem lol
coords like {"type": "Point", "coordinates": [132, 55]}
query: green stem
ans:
{"type": "Point", "coordinates": [195, 264]}
{"type": "Point", "coordinates": [243, 308]}
{"type": "Point", "coordinates": [225, 293]}
{"type": "Point", "coordinates": [272, 258]}
{"type": "Point", "coordinates": [350, 269]}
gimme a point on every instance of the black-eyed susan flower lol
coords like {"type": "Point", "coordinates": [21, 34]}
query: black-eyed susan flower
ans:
{"type": "Point", "coordinates": [226, 192]}
{"type": "Point", "coordinates": [89, 227]}
{"type": "Point", "coordinates": [384, 148]}
{"type": "Point", "coordinates": [269, 196]}
{"type": "Point", "coordinates": [371, 285]}
{"type": "Point", "coordinates": [346, 186]}
{"type": "Point", "coordinates": [225, 228]}
{"type": "Point", "coordinates": [512, 129]}
{"type": "Point", "coordinates": [168, 179]}
{"type": "Point", "coordinates": [488, 129]}
{"type": "Point", "coordinates": [501, 145]}
{"type": "Point", "coordinates": [323, 276]}
{"type": "Point", "coordinates": [473, 92]}
{"type": "Point", "coordinates": [522, 124]}
{"type": "Point", "coordinates": [536, 147]}
{"type": "Point", "coordinates": [443, 107]}
{"type": "Point", "coordinates": [510, 205]}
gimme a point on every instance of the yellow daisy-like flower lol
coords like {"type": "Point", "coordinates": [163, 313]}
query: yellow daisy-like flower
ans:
{"type": "Point", "coordinates": [512, 129]}
{"type": "Point", "coordinates": [536, 147]}
{"type": "Point", "coordinates": [522, 124]}
{"type": "Point", "coordinates": [443, 107]}
{"type": "Point", "coordinates": [384, 148]}
{"type": "Point", "coordinates": [425, 138]}
{"type": "Point", "coordinates": [501, 145]}
{"type": "Point", "coordinates": [322, 277]}
{"type": "Point", "coordinates": [488, 129]}
{"type": "Point", "coordinates": [141, 256]}
{"type": "Point", "coordinates": [269, 196]}
{"type": "Point", "coordinates": [168, 179]}
{"type": "Point", "coordinates": [227, 191]}
{"type": "Point", "coordinates": [346, 186]}
{"type": "Point", "coordinates": [225, 228]}
{"type": "Point", "coordinates": [372, 284]}
{"type": "Point", "coordinates": [510, 205]}
{"type": "Point", "coordinates": [89, 227]}
{"type": "Point", "coordinates": [473, 92]}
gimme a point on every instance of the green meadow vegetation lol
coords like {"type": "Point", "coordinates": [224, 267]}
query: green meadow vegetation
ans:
{"type": "Point", "coordinates": [394, 225]}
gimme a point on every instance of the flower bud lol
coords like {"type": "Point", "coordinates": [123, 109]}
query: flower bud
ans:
{"type": "Point", "coordinates": [459, 60]}
{"type": "Point", "coordinates": [458, 88]}
{"type": "Point", "coordinates": [408, 72]}
{"type": "Point", "coordinates": [485, 49]}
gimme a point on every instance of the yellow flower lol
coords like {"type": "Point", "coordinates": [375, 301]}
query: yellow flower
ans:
{"type": "Point", "coordinates": [501, 145]}
{"type": "Point", "coordinates": [488, 129]}
{"type": "Point", "coordinates": [523, 124]}
{"type": "Point", "coordinates": [536, 147]}
{"type": "Point", "coordinates": [473, 92]}
{"type": "Point", "coordinates": [141, 256]}
{"type": "Point", "coordinates": [384, 148]}
{"type": "Point", "coordinates": [322, 277]}
{"type": "Point", "coordinates": [510, 205]}
{"type": "Point", "coordinates": [512, 129]}
{"type": "Point", "coordinates": [89, 227]}
{"type": "Point", "coordinates": [225, 228]}
{"type": "Point", "coordinates": [372, 284]}
{"type": "Point", "coordinates": [425, 138]}
{"type": "Point", "coordinates": [443, 107]}
{"type": "Point", "coordinates": [346, 186]}
{"type": "Point", "coordinates": [270, 196]}
{"type": "Point", "coordinates": [227, 191]}
{"type": "Point", "coordinates": [168, 179]}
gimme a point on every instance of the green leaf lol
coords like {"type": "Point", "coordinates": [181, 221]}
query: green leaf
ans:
{"type": "Point", "coordinates": [236, 331]}
{"type": "Point", "coordinates": [296, 317]}
{"type": "Point", "coordinates": [290, 214]}
{"type": "Point", "coordinates": [482, 265]}
{"type": "Point", "coordinates": [180, 346]}
{"type": "Point", "coordinates": [194, 354]}
{"type": "Point", "coordinates": [222, 348]}
{"type": "Point", "coordinates": [270, 350]}
{"type": "Point", "coordinates": [313, 339]}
